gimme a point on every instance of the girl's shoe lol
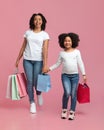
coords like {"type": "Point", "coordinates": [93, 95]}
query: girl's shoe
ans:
{"type": "Point", "coordinates": [33, 108]}
{"type": "Point", "coordinates": [64, 114]}
{"type": "Point", "coordinates": [71, 115]}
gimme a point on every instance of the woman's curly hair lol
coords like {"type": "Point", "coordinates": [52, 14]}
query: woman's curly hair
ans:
{"type": "Point", "coordinates": [31, 22]}
{"type": "Point", "coordinates": [74, 37]}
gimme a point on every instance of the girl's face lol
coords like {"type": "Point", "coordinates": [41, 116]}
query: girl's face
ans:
{"type": "Point", "coordinates": [67, 42]}
{"type": "Point", "coordinates": [37, 21]}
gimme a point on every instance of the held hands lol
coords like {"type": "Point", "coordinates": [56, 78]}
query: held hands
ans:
{"type": "Point", "coordinates": [45, 70]}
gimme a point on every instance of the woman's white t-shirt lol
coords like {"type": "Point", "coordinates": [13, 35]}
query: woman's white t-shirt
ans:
{"type": "Point", "coordinates": [33, 50]}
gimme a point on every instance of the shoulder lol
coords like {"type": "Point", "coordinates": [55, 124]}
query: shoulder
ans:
{"type": "Point", "coordinates": [77, 51]}
{"type": "Point", "coordinates": [61, 53]}
{"type": "Point", "coordinates": [28, 31]}
{"type": "Point", "coordinates": [45, 34]}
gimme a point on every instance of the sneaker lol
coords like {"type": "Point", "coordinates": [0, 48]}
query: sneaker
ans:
{"type": "Point", "coordinates": [64, 114]}
{"type": "Point", "coordinates": [33, 108]}
{"type": "Point", "coordinates": [40, 99]}
{"type": "Point", "coordinates": [71, 115]}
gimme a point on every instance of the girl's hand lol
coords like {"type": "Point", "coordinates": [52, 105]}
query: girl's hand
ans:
{"type": "Point", "coordinates": [84, 78]}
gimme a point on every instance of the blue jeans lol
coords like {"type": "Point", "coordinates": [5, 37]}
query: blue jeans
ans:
{"type": "Point", "coordinates": [70, 85]}
{"type": "Point", "coordinates": [32, 69]}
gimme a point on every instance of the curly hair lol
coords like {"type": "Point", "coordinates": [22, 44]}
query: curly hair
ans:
{"type": "Point", "coordinates": [74, 37]}
{"type": "Point", "coordinates": [31, 22]}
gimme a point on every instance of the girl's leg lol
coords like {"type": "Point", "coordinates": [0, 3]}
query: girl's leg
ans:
{"type": "Point", "coordinates": [74, 86]}
{"type": "Point", "coordinates": [67, 90]}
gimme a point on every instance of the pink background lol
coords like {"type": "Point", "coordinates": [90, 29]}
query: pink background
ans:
{"type": "Point", "coordinates": [84, 17]}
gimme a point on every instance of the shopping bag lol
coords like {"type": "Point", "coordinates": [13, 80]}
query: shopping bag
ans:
{"type": "Point", "coordinates": [9, 91]}
{"type": "Point", "coordinates": [83, 93]}
{"type": "Point", "coordinates": [22, 83]}
{"type": "Point", "coordinates": [14, 87]}
{"type": "Point", "coordinates": [43, 82]}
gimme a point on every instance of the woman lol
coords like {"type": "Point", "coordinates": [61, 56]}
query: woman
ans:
{"type": "Point", "coordinates": [35, 52]}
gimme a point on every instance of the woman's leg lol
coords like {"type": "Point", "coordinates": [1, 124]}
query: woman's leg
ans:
{"type": "Point", "coordinates": [37, 70]}
{"type": "Point", "coordinates": [28, 68]}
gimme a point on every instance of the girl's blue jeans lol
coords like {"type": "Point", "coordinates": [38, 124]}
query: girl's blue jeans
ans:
{"type": "Point", "coordinates": [70, 85]}
{"type": "Point", "coordinates": [32, 69]}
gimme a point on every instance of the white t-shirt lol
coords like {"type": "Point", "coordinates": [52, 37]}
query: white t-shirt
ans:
{"type": "Point", "coordinates": [70, 61]}
{"type": "Point", "coordinates": [33, 50]}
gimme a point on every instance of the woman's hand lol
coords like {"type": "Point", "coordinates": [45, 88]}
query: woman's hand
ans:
{"type": "Point", "coordinates": [17, 63]}
{"type": "Point", "coordinates": [45, 70]}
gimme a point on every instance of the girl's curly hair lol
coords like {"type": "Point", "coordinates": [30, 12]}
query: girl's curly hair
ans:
{"type": "Point", "coordinates": [74, 37]}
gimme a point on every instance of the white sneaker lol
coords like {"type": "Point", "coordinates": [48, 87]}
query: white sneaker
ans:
{"type": "Point", "coordinates": [40, 99]}
{"type": "Point", "coordinates": [71, 115]}
{"type": "Point", "coordinates": [33, 108]}
{"type": "Point", "coordinates": [64, 114]}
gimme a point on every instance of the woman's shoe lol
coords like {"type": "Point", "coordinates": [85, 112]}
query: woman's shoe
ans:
{"type": "Point", "coordinates": [40, 99]}
{"type": "Point", "coordinates": [33, 108]}
{"type": "Point", "coordinates": [64, 114]}
{"type": "Point", "coordinates": [71, 115]}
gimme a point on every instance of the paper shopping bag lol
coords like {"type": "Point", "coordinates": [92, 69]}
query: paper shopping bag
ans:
{"type": "Point", "coordinates": [22, 84]}
{"type": "Point", "coordinates": [83, 93]}
{"type": "Point", "coordinates": [14, 87]}
{"type": "Point", "coordinates": [9, 84]}
{"type": "Point", "coordinates": [43, 82]}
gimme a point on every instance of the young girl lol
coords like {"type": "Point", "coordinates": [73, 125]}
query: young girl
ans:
{"type": "Point", "coordinates": [35, 53]}
{"type": "Point", "coordinates": [71, 59]}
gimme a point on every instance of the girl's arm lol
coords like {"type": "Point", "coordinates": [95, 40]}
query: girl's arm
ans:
{"type": "Point", "coordinates": [45, 55]}
{"type": "Point", "coordinates": [81, 66]}
{"type": "Point", "coordinates": [58, 63]}
{"type": "Point", "coordinates": [21, 52]}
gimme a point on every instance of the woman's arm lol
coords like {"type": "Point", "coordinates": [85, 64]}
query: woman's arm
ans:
{"type": "Point", "coordinates": [21, 52]}
{"type": "Point", "coordinates": [45, 55]}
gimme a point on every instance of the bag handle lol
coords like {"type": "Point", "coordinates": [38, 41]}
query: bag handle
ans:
{"type": "Point", "coordinates": [16, 70]}
{"type": "Point", "coordinates": [85, 85]}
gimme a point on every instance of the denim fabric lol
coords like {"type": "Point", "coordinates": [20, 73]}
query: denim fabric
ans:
{"type": "Point", "coordinates": [32, 69]}
{"type": "Point", "coordinates": [70, 85]}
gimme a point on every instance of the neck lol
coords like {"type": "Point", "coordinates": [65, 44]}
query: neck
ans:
{"type": "Point", "coordinates": [69, 49]}
{"type": "Point", "coordinates": [37, 30]}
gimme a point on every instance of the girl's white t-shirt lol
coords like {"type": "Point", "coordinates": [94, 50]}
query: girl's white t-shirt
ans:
{"type": "Point", "coordinates": [71, 61]}
{"type": "Point", "coordinates": [33, 50]}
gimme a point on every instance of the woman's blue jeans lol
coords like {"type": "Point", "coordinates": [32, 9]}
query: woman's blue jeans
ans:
{"type": "Point", "coordinates": [32, 69]}
{"type": "Point", "coordinates": [70, 85]}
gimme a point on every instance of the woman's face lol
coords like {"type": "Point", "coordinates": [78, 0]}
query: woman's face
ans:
{"type": "Point", "coordinates": [67, 42]}
{"type": "Point", "coordinates": [37, 21]}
